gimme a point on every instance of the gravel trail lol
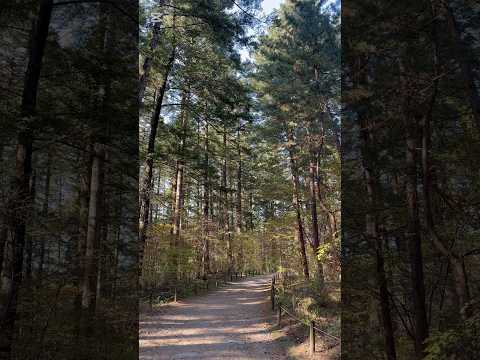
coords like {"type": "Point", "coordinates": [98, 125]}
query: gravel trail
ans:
{"type": "Point", "coordinates": [229, 323]}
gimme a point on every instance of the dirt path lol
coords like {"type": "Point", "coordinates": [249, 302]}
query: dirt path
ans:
{"type": "Point", "coordinates": [230, 323]}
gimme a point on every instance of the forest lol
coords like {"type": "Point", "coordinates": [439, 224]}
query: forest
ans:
{"type": "Point", "coordinates": [261, 179]}
{"type": "Point", "coordinates": [410, 146]}
{"type": "Point", "coordinates": [240, 147]}
{"type": "Point", "coordinates": [69, 175]}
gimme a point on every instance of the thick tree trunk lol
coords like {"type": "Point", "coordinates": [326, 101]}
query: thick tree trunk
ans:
{"type": "Point", "coordinates": [414, 241]}
{"type": "Point", "coordinates": [296, 203]}
{"type": "Point", "coordinates": [146, 180]}
{"type": "Point", "coordinates": [22, 200]}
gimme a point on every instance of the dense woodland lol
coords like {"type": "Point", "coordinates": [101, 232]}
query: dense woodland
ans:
{"type": "Point", "coordinates": [410, 190]}
{"type": "Point", "coordinates": [69, 176]}
{"type": "Point", "coordinates": [240, 164]}
{"type": "Point", "coordinates": [218, 152]}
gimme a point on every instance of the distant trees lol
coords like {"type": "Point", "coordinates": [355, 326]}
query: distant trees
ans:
{"type": "Point", "coordinates": [219, 207]}
{"type": "Point", "coordinates": [67, 253]}
{"type": "Point", "coordinates": [410, 125]}
{"type": "Point", "coordinates": [298, 80]}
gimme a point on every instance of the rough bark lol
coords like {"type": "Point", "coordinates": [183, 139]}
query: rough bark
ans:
{"type": "Point", "coordinates": [456, 263]}
{"type": "Point", "coordinates": [238, 201]}
{"type": "Point", "coordinates": [332, 224]}
{"type": "Point", "coordinates": [296, 204]}
{"type": "Point", "coordinates": [206, 209]}
{"type": "Point", "coordinates": [313, 210]}
{"type": "Point", "coordinates": [238, 204]}
{"type": "Point", "coordinates": [146, 180]}
{"type": "Point", "coordinates": [147, 63]}
{"type": "Point", "coordinates": [226, 224]}
{"type": "Point", "coordinates": [371, 221]}
{"type": "Point", "coordinates": [45, 207]}
{"type": "Point", "coordinates": [23, 171]}
{"type": "Point", "coordinates": [89, 278]}
{"type": "Point", "coordinates": [29, 238]}
{"type": "Point", "coordinates": [179, 191]}
{"type": "Point", "coordinates": [464, 19]}
{"type": "Point", "coordinates": [414, 242]}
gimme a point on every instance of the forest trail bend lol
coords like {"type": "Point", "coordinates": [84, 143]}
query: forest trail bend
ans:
{"type": "Point", "coordinates": [230, 323]}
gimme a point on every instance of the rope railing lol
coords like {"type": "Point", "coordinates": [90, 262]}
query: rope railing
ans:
{"type": "Point", "coordinates": [309, 324]}
{"type": "Point", "coordinates": [217, 280]}
{"type": "Point", "coordinates": [305, 322]}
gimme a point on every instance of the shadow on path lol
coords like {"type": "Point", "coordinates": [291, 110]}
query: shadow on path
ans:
{"type": "Point", "coordinates": [230, 323]}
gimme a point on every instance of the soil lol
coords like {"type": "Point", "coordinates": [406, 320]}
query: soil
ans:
{"type": "Point", "coordinates": [230, 323]}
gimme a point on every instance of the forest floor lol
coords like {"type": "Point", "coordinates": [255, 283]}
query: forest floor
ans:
{"type": "Point", "coordinates": [234, 322]}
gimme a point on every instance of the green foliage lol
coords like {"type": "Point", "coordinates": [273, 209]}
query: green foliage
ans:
{"type": "Point", "coordinates": [461, 343]}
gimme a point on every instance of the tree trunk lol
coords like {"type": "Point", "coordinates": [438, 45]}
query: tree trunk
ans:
{"type": "Point", "coordinates": [178, 194]}
{"type": "Point", "coordinates": [371, 221]}
{"type": "Point", "coordinates": [29, 242]}
{"type": "Point", "coordinates": [206, 210]}
{"type": "Point", "coordinates": [296, 203]}
{"type": "Point", "coordinates": [456, 263]}
{"type": "Point", "coordinates": [45, 216]}
{"type": "Point", "coordinates": [238, 202]}
{"type": "Point", "coordinates": [179, 191]}
{"type": "Point", "coordinates": [146, 181]}
{"type": "Point", "coordinates": [332, 224]}
{"type": "Point", "coordinates": [226, 227]}
{"type": "Point", "coordinates": [147, 64]}
{"type": "Point", "coordinates": [414, 241]}
{"type": "Point", "coordinates": [3, 228]}
{"type": "Point", "coordinates": [89, 278]}
{"type": "Point", "coordinates": [462, 19]}
{"type": "Point", "coordinates": [238, 207]}
{"type": "Point", "coordinates": [84, 201]}
{"type": "Point", "coordinates": [3, 245]}
{"type": "Point", "coordinates": [22, 201]}
{"type": "Point", "coordinates": [313, 210]}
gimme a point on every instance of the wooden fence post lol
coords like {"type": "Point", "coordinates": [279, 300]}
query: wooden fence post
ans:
{"type": "Point", "coordinates": [272, 295]}
{"type": "Point", "coordinates": [175, 295]}
{"type": "Point", "coordinates": [312, 337]}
